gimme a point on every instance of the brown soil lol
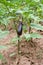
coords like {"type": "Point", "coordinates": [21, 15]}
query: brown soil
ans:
{"type": "Point", "coordinates": [30, 55]}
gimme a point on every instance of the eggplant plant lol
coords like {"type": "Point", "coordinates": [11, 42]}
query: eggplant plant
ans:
{"type": "Point", "coordinates": [31, 12]}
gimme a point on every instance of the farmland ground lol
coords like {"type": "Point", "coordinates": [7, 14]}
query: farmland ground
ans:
{"type": "Point", "coordinates": [29, 56]}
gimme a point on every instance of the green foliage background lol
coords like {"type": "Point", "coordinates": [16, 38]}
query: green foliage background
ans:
{"type": "Point", "coordinates": [28, 9]}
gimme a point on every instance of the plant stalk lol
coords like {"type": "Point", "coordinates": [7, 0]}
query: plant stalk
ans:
{"type": "Point", "coordinates": [18, 51]}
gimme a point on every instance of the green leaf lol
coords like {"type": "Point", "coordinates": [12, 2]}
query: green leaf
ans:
{"type": "Point", "coordinates": [15, 39]}
{"type": "Point", "coordinates": [5, 21]}
{"type": "Point", "coordinates": [36, 18]}
{"type": "Point", "coordinates": [37, 0]}
{"type": "Point", "coordinates": [1, 56]}
{"type": "Point", "coordinates": [32, 35]}
{"type": "Point", "coordinates": [3, 47]}
{"type": "Point", "coordinates": [3, 34]}
{"type": "Point", "coordinates": [27, 36]}
{"type": "Point", "coordinates": [36, 26]}
{"type": "Point", "coordinates": [25, 28]}
{"type": "Point", "coordinates": [10, 17]}
{"type": "Point", "coordinates": [19, 12]}
{"type": "Point", "coordinates": [35, 35]}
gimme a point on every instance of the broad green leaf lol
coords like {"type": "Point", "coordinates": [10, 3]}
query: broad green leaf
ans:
{"type": "Point", "coordinates": [3, 34]}
{"type": "Point", "coordinates": [25, 28]}
{"type": "Point", "coordinates": [4, 21]}
{"type": "Point", "coordinates": [36, 26]}
{"type": "Point", "coordinates": [32, 35]}
{"type": "Point", "coordinates": [36, 35]}
{"type": "Point", "coordinates": [36, 18]}
{"type": "Point", "coordinates": [27, 36]}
